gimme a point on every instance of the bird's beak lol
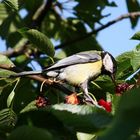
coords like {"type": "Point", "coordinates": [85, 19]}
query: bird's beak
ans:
{"type": "Point", "coordinates": [113, 79]}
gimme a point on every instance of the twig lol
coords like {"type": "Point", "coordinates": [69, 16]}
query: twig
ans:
{"type": "Point", "coordinates": [86, 35]}
{"type": "Point", "coordinates": [41, 13]}
{"type": "Point", "coordinates": [37, 19]}
{"type": "Point", "coordinates": [47, 82]}
{"type": "Point", "coordinates": [15, 52]}
{"type": "Point", "coordinates": [11, 53]}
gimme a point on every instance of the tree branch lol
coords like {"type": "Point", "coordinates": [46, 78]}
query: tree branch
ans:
{"type": "Point", "coordinates": [86, 35]}
{"type": "Point", "coordinates": [37, 19]}
{"type": "Point", "coordinates": [11, 53]}
{"type": "Point", "coordinates": [41, 79]}
{"type": "Point", "coordinates": [15, 52]}
{"type": "Point", "coordinates": [41, 13]}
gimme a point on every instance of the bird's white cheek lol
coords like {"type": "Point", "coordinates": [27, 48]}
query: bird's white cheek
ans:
{"type": "Point", "coordinates": [108, 64]}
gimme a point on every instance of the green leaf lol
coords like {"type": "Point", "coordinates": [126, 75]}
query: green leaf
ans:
{"type": "Point", "coordinates": [8, 119]}
{"type": "Point", "coordinates": [68, 31]}
{"type": "Point", "coordinates": [83, 118]}
{"type": "Point", "coordinates": [5, 61]}
{"type": "Point", "coordinates": [5, 82]}
{"type": "Point", "coordinates": [32, 5]}
{"type": "Point", "coordinates": [80, 46]}
{"type": "Point", "coordinates": [3, 11]}
{"type": "Point", "coordinates": [10, 98]}
{"type": "Point", "coordinates": [12, 4]}
{"type": "Point", "coordinates": [138, 47]}
{"type": "Point", "coordinates": [115, 103]}
{"type": "Point", "coordinates": [30, 133]}
{"type": "Point", "coordinates": [123, 64]}
{"type": "Point", "coordinates": [6, 87]}
{"type": "Point", "coordinates": [133, 6]}
{"type": "Point", "coordinates": [22, 59]}
{"type": "Point", "coordinates": [101, 86]}
{"type": "Point", "coordinates": [135, 60]}
{"type": "Point", "coordinates": [11, 95]}
{"type": "Point", "coordinates": [136, 36]}
{"type": "Point", "coordinates": [5, 26]}
{"type": "Point", "coordinates": [25, 92]}
{"type": "Point", "coordinates": [93, 7]}
{"type": "Point", "coordinates": [6, 73]}
{"type": "Point", "coordinates": [85, 136]}
{"type": "Point", "coordinates": [30, 107]}
{"type": "Point", "coordinates": [15, 40]}
{"type": "Point", "coordinates": [41, 41]}
{"type": "Point", "coordinates": [127, 119]}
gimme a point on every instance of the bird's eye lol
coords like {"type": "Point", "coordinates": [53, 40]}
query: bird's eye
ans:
{"type": "Point", "coordinates": [114, 68]}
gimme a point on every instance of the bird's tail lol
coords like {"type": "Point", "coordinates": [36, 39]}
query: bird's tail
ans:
{"type": "Point", "coordinates": [26, 73]}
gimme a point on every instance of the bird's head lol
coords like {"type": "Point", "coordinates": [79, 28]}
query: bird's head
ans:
{"type": "Point", "coordinates": [109, 65]}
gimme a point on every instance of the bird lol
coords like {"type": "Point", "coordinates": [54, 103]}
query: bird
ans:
{"type": "Point", "coordinates": [80, 68]}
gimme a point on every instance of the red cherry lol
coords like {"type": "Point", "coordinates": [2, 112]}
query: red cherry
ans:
{"type": "Point", "coordinates": [41, 101]}
{"type": "Point", "coordinates": [120, 88]}
{"type": "Point", "coordinates": [106, 105]}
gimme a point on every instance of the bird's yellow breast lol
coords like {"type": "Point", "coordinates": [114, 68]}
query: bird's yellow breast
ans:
{"type": "Point", "coordinates": [79, 73]}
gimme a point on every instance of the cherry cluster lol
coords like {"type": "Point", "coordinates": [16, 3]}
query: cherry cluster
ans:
{"type": "Point", "coordinates": [42, 101]}
{"type": "Point", "coordinates": [120, 88]}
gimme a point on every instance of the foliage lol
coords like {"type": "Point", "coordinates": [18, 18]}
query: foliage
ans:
{"type": "Point", "coordinates": [31, 110]}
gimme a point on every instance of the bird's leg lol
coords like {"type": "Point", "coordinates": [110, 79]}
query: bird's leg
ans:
{"type": "Point", "coordinates": [89, 98]}
{"type": "Point", "coordinates": [86, 94]}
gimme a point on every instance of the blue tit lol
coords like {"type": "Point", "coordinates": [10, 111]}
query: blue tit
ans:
{"type": "Point", "coordinates": [80, 68]}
